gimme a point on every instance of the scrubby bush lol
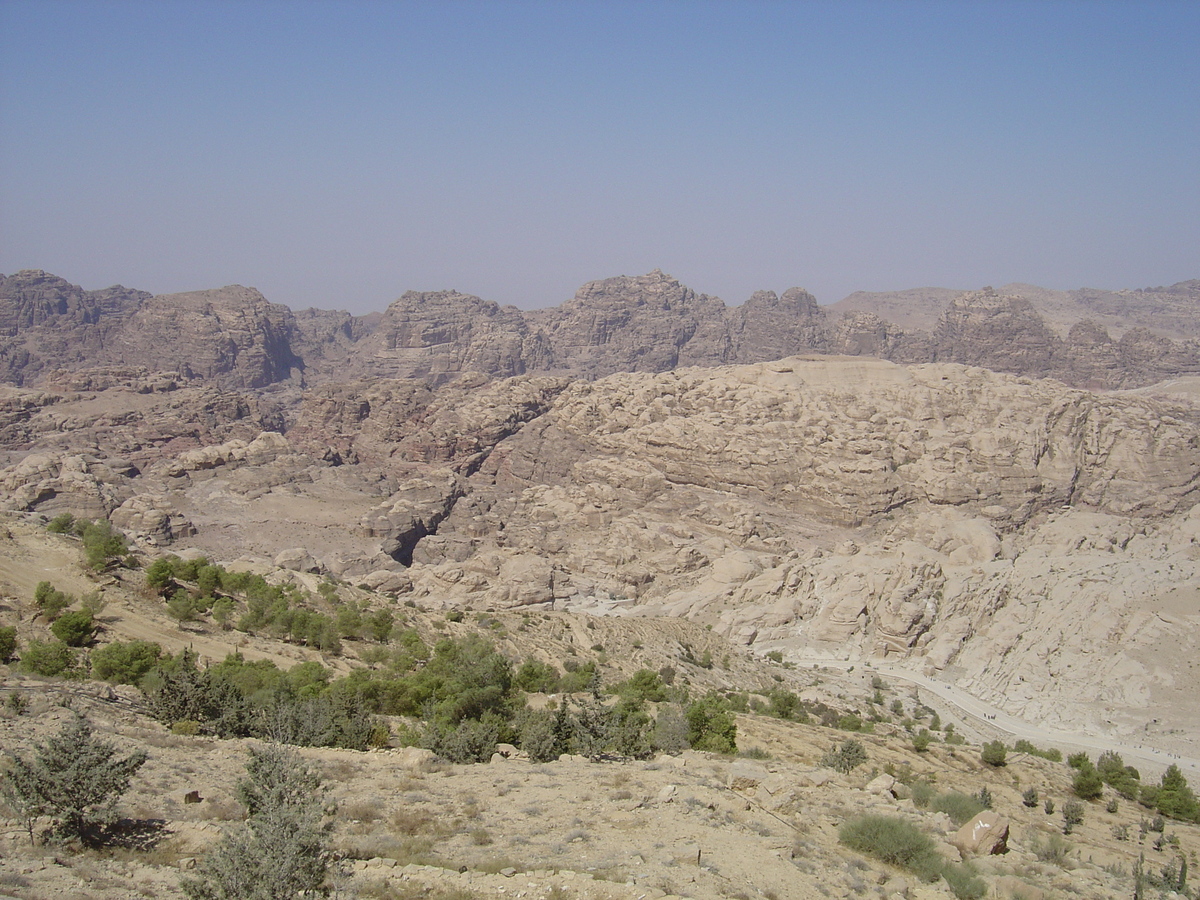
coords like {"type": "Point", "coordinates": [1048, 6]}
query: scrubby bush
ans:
{"type": "Point", "coordinates": [959, 807]}
{"type": "Point", "coordinates": [964, 881]}
{"type": "Point", "coordinates": [894, 841]}
{"type": "Point", "coordinates": [49, 658]}
{"type": "Point", "coordinates": [471, 740]}
{"type": "Point", "coordinates": [281, 852]}
{"type": "Point", "coordinates": [994, 753]}
{"type": "Point", "coordinates": [1072, 815]}
{"type": "Point", "coordinates": [1030, 798]}
{"type": "Point", "coordinates": [8, 642]}
{"type": "Point", "coordinates": [922, 794]}
{"type": "Point", "coordinates": [670, 730]}
{"type": "Point", "coordinates": [75, 629]}
{"type": "Point", "coordinates": [1078, 760]}
{"type": "Point", "coordinates": [75, 779]}
{"type": "Point", "coordinates": [846, 758]}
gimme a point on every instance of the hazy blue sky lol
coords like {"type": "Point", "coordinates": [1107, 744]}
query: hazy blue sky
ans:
{"type": "Point", "coordinates": [336, 154]}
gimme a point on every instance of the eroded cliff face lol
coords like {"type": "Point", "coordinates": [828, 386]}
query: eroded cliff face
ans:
{"type": "Point", "coordinates": [1018, 536]}
{"type": "Point", "coordinates": [648, 323]}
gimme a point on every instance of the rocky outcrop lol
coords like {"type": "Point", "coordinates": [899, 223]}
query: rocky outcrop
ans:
{"type": "Point", "coordinates": [48, 323]}
{"type": "Point", "coordinates": [984, 835]}
{"type": "Point", "coordinates": [647, 323]}
{"type": "Point", "coordinates": [234, 338]}
{"type": "Point", "coordinates": [230, 336]}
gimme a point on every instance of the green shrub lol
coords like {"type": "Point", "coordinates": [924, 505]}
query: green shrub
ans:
{"type": "Point", "coordinates": [1030, 798]}
{"type": "Point", "coordinates": [994, 753]}
{"type": "Point", "coordinates": [102, 543]}
{"type": "Point", "coordinates": [1174, 797]}
{"type": "Point", "coordinates": [845, 758]}
{"type": "Point", "coordinates": [1125, 780]}
{"type": "Point", "coordinates": [1024, 746]}
{"type": "Point", "coordinates": [921, 740]}
{"type": "Point", "coordinates": [8, 642]}
{"type": "Point", "coordinates": [49, 658]}
{"type": "Point", "coordinates": [893, 841]}
{"type": "Point", "coordinates": [75, 629]}
{"type": "Point", "coordinates": [535, 676]}
{"type": "Point", "coordinates": [643, 685]}
{"type": "Point", "coordinates": [50, 600]}
{"type": "Point", "coordinates": [1078, 760]}
{"type": "Point", "coordinates": [125, 662]}
{"type": "Point", "coordinates": [960, 807]}
{"type": "Point", "coordinates": [1087, 783]}
{"type": "Point", "coordinates": [63, 523]}
{"type": "Point", "coordinates": [75, 779]}
{"type": "Point", "coordinates": [711, 726]}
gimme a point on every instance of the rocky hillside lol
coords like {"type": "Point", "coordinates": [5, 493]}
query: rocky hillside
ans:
{"type": "Point", "coordinates": [686, 824]}
{"type": "Point", "coordinates": [650, 323]}
{"type": "Point", "coordinates": [1013, 536]}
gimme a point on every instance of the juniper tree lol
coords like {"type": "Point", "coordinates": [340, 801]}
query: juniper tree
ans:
{"type": "Point", "coordinates": [75, 779]}
{"type": "Point", "coordinates": [281, 851]}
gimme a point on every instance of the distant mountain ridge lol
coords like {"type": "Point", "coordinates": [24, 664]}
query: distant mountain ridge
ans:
{"type": "Point", "coordinates": [235, 337]}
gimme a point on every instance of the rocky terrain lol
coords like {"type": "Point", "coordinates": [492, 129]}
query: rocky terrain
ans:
{"type": "Point", "coordinates": [699, 825]}
{"type": "Point", "coordinates": [992, 495]}
{"type": "Point", "coordinates": [234, 337]}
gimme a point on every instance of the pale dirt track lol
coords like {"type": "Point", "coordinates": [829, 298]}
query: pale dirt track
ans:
{"type": "Point", "coordinates": [986, 717]}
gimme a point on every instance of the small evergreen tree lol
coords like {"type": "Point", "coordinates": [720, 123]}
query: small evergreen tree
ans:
{"type": "Point", "coordinates": [281, 852]}
{"type": "Point", "coordinates": [1087, 783]}
{"type": "Point", "coordinates": [849, 756]}
{"type": "Point", "coordinates": [75, 629]}
{"type": "Point", "coordinates": [75, 779]}
{"type": "Point", "coordinates": [8, 643]}
{"type": "Point", "coordinates": [994, 753]}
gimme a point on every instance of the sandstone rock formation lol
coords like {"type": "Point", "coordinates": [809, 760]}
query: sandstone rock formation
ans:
{"type": "Point", "coordinates": [941, 518]}
{"type": "Point", "coordinates": [984, 835]}
{"type": "Point", "coordinates": [233, 338]}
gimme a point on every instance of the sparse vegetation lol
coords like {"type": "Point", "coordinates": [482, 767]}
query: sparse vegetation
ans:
{"type": "Point", "coordinates": [74, 779]}
{"type": "Point", "coordinates": [281, 851]}
{"type": "Point", "coordinates": [994, 753]}
{"type": "Point", "coordinates": [845, 758]}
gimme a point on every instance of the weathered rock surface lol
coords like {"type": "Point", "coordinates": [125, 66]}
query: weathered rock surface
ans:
{"type": "Point", "coordinates": [234, 338]}
{"type": "Point", "coordinates": [984, 835]}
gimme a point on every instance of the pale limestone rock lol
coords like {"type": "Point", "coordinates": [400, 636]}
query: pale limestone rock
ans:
{"type": "Point", "coordinates": [986, 834]}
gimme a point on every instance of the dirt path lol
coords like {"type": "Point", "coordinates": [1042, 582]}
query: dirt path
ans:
{"type": "Point", "coordinates": [987, 717]}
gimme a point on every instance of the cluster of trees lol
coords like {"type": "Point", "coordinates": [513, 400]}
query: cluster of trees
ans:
{"type": "Point", "coordinates": [1171, 797]}
{"type": "Point", "coordinates": [464, 695]}
{"type": "Point", "coordinates": [102, 544]}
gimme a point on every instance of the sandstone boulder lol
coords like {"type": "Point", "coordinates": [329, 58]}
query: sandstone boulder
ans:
{"type": "Point", "coordinates": [986, 834]}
